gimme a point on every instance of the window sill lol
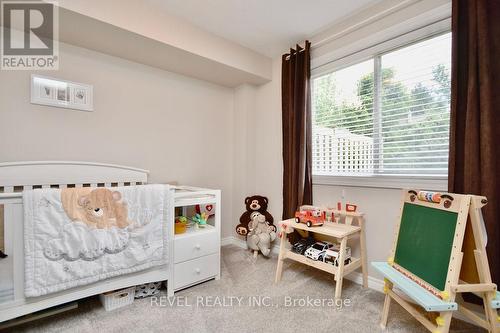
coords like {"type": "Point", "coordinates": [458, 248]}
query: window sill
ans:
{"type": "Point", "coordinates": [395, 182]}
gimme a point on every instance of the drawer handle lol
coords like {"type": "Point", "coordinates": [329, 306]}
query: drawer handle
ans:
{"type": "Point", "coordinates": [197, 246]}
{"type": "Point", "coordinates": [198, 271]}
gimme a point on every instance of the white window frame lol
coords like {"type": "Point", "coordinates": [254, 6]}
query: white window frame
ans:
{"type": "Point", "coordinates": [436, 183]}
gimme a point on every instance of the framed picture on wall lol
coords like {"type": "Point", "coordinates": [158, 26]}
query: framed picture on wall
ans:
{"type": "Point", "coordinates": [61, 93]}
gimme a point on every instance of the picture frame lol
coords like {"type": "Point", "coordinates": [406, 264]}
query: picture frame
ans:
{"type": "Point", "coordinates": [50, 91]}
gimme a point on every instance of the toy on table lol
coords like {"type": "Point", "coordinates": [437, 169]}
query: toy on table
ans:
{"type": "Point", "coordinates": [181, 223]}
{"type": "Point", "coordinates": [200, 220]}
{"type": "Point", "coordinates": [318, 250]}
{"type": "Point", "coordinates": [350, 207]}
{"type": "Point", "coordinates": [255, 203]}
{"type": "Point", "coordinates": [261, 234]}
{"type": "Point", "coordinates": [311, 216]}
{"type": "Point", "coordinates": [331, 215]}
{"type": "Point", "coordinates": [302, 245]}
{"type": "Point", "coordinates": [332, 255]}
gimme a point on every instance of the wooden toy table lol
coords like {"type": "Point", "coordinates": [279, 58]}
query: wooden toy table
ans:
{"type": "Point", "coordinates": [342, 232]}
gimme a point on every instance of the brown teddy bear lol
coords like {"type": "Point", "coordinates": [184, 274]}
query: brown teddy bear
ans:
{"type": "Point", "coordinates": [255, 203]}
{"type": "Point", "coordinates": [98, 208]}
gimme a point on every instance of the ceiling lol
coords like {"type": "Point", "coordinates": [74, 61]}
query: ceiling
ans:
{"type": "Point", "coordinates": [268, 27]}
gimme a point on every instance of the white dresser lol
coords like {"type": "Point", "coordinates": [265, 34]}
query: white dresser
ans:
{"type": "Point", "coordinates": [196, 253]}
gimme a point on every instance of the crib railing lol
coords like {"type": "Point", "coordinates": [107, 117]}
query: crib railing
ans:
{"type": "Point", "coordinates": [16, 190]}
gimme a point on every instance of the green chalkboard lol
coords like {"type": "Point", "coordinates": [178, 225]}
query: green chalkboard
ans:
{"type": "Point", "coordinates": [425, 242]}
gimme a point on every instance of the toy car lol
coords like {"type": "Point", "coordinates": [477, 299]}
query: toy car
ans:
{"type": "Point", "coordinates": [311, 216]}
{"type": "Point", "coordinates": [302, 245]}
{"type": "Point", "coordinates": [317, 250]}
{"type": "Point", "coordinates": [332, 255]}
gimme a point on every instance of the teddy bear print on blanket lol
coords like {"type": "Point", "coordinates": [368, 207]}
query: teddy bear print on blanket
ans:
{"type": "Point", "coordinates": [99, 220]}
{"type": "Point", "coordinates": [99, 208]}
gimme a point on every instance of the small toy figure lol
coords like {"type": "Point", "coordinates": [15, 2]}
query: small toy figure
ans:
{"type": "Point", "coordinates": [181, 219]}
{"type": "Point", "coordinates": [311, 216]}
{"type": "Point", "coordinates": [201, 220]}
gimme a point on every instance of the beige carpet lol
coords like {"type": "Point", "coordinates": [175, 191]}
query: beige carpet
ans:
{"type": "Point", "coordinates": [244, 277]}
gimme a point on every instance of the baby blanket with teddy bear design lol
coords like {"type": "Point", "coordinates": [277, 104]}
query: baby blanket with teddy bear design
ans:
{"type": "Point", "coordinates": [77, 236]}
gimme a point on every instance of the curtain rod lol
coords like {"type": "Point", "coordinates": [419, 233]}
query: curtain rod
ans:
{"type": "Point", "coordinates": [382, 42]}
{"type": "Point", "coordinates": [299, 48]}
{"type": "Point", "coordinates": [379, 15]}
{"type": "Point", "coordinates": [398, 6]}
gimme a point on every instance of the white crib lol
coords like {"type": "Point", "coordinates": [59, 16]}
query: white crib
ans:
{"type": "Point", "coordinates": [14, 178]}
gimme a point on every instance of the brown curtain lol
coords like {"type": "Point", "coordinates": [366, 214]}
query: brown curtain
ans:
{"type": "Point", "coordinates": [296, 122]}
{"type": "Point", "coordinates": [474, 166]}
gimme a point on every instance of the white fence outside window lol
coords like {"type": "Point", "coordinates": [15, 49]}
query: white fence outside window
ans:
{"type": "Point", "coordinates": [336, 151]}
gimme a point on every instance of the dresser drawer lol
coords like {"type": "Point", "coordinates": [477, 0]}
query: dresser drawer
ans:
{"type": "Point", "coordinates": [196, 270]}
{"type": "Point", "coordinates": [195, 246]}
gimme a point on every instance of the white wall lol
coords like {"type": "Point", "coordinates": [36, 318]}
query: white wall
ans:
{"type": "Point", "coordinates": [267, 139]}
{"type": "Point", "coordinates": [257, 145]}
{"type": "Point", "coordinates": [243, 148]}
{"type": "Point", "coordinates": [178, 128]}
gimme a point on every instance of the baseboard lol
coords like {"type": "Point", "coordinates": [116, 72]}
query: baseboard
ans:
{"type": "Point", "coordinates": [373, 283]}
{"type": "Point", "coordinates": [228, 241]}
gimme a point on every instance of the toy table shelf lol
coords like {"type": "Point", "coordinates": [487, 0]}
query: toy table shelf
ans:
{"type": "Point", "coordinates": [353, 265]}
{"type": "Point", "coordinates": [336, 230]}
{"type": "Point", "coordinates": [341, 232]}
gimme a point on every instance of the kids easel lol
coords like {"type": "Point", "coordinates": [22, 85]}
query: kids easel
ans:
{"type": "Point", "coordinates": [440, 251]}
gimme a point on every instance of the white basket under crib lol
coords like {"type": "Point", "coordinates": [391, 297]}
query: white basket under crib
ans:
{"type": "Point", "coordinates": [116, 299]}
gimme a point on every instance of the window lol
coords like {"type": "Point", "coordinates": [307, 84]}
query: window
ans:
{"type": "Point", "coordinates": [386, 116]}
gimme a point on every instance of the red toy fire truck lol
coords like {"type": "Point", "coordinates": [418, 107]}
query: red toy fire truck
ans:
{"type": "Point", "coordinates": [311, 216]}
